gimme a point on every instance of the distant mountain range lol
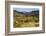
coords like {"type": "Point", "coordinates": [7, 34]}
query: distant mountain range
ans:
{"type": "Point", "coordinates": [35, 12]}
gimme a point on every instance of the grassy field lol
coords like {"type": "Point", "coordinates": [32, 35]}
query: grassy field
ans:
{"type": "Point", "coordinates": [25, 21]}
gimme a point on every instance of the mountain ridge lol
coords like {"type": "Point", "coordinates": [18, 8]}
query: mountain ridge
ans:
{"type": "Point", "coordinates": [36, 12]}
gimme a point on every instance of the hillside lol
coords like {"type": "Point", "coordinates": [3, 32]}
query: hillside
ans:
{"type": "Point", "coordinates": [28, 19]}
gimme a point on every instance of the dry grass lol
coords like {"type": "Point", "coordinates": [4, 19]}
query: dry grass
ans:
{"type": "Point", "coordinates": [26, 21]}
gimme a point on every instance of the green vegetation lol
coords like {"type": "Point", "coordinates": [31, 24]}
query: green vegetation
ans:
{"type": "Point", "coordinates": [26, 21]}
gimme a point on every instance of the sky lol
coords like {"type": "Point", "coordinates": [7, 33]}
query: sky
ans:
{"type": "Point", "coordinates": [25, 9]}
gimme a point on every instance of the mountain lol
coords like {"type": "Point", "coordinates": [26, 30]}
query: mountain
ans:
{"type": "Point", "coordinates": [35, 12]}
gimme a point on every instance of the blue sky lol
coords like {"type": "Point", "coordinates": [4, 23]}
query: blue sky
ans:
{"type": "Point", "coordinates": [25, 9]}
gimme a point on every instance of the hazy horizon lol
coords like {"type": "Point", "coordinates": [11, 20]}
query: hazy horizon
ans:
{"type": "Point", "coordinates": [25, 9]}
